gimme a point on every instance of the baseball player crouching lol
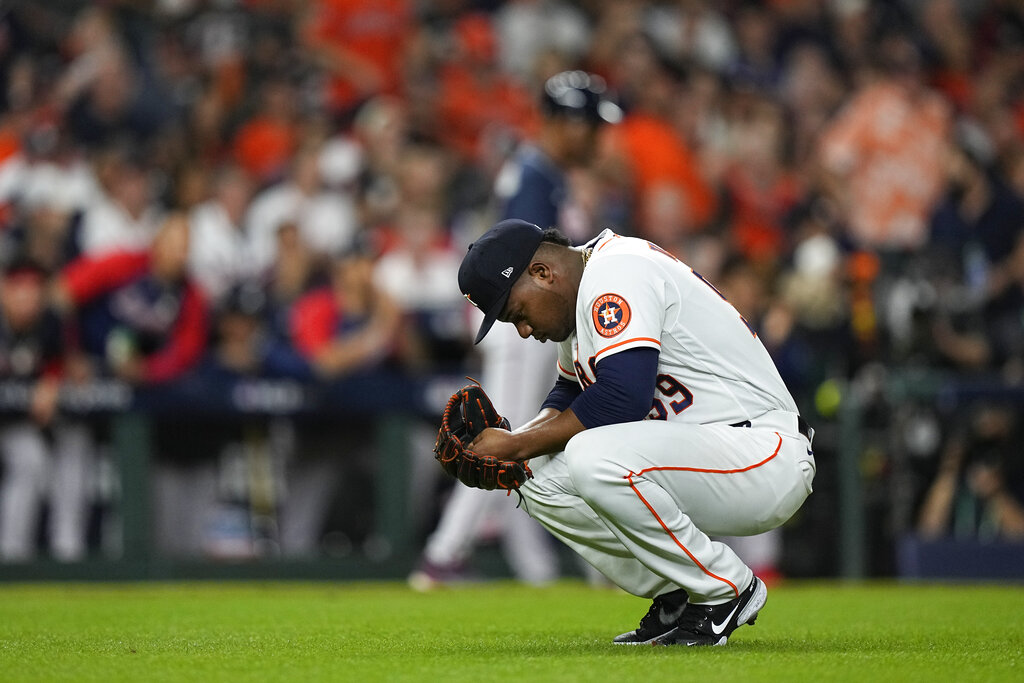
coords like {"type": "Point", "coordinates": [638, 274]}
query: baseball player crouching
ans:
{"type": "Point", "coordinates": [668, 422]}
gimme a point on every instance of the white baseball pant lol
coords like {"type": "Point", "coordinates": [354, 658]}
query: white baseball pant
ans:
{"type": "Point", "coordinates": [518, 376]}
{"type": "Point", "coordinates": [56, 471]}
{"type": "Point", "coordinates": [639, 500]}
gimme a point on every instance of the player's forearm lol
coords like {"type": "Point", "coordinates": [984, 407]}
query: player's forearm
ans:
{"type": "Point", "coordinates": [934, 516]}
{"type": "Point", "coordinates": [543, 416]}
{"type": "Point", "coordinates": [547, 433]}
{"type": "Point", "coordinates": [367, 346]}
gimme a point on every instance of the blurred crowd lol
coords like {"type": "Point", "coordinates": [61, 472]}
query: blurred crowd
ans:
{"type": "Point", "coordinates": [285, 188]}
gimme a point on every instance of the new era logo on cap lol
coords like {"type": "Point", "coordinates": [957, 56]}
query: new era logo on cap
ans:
{"type": "Point", "coordinates": [485, 276]}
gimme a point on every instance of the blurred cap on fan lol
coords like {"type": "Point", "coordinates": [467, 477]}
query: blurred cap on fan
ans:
{"type": "Point", "coordinates": [246, 299]}
{"type": "Point", "coordinates": [580, 95]}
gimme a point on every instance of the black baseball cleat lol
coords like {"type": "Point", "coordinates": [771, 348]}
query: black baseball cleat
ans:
{"type": "Point", "coordinates": [713, 624]}
{"type": "Point", "coordinates": [662, 617]}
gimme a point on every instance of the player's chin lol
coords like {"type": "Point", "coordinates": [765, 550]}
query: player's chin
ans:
{"type": "Point", "coordinates": [557, 337]}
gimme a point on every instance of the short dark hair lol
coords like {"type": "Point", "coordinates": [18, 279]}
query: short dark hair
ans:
{"type": "Point", "coordinates": [555, 236]}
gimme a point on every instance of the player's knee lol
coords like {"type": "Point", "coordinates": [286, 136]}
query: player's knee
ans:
{"type": "Point", "coordinates": [584, 458]}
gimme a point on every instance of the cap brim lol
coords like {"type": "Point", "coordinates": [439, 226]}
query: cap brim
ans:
{"type": "Point", "coordinates": [491, 316]}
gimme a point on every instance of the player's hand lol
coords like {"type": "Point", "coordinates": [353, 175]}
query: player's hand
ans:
{"type": "Point", "coordinates": [500, 443]}
{"type": "Point", "coordinates": [44, 400]}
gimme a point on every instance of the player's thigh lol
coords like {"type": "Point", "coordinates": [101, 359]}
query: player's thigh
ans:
{"type": "Point", "coordinates": [551, 498]}
{"type": "Point", "coordinates": [728, 480]}
{"type": "Point", "coordinates": [24, 453]}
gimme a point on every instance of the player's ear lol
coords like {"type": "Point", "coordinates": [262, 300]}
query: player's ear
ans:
{"type": "Point", "coordinates": [539, 270]}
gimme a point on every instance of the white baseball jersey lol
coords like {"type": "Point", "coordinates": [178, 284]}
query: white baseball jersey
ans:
{"type": "Point", "coordinates": [712, 368]}
{"type": "Point", "coordinates": [640, 500]}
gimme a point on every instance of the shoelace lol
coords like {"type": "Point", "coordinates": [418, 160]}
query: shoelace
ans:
{"type": "Point", "coordinates": [662, 603]}
{"type": "Point", "coordinates": [652, 614]}
{"type": "Point", "coordinates": [694, 615]}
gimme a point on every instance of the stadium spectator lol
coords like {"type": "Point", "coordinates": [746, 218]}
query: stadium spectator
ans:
{"type": "Point", "coordinates": [97, 88]}
{"type": "Point", "coordinates": [755, 64]}
{"type": "Point", "coordinates": [265, 143]}
{"type": "Point", "coordinates": [882, 155]}
{"type": "Point", "coordinates": [761, 187]}
{"type": "Point", "coordinates": [811, 90]}
{"type": "Point", "coordinates": [528, 31]}
{"type": "Point", "coordinates": [139, 316]}
{"type": "Point", "coordinates": [947, 48]}
{"type": "Point", "coordinates": [381, 131]}
{"type": "Point", "coordinates": [243, 345]}
{"type": "Point", "coordinates": [47, 457]}
{"type": "Point", "coordinates": [360, 44]}
{"type": "Point", "coordinates": [50, 197]}
{"type": "Point", "coordinates": [693, 31]}
{"type": "Point", "coordinates": [124, 216]}
{"type": "Point", "coordinates": [346, 328]}
{"type": "Point", "coordinates": [206, 124]}
{"type": "Point", "coordinates": [217, 35]}
{"type": "Point", "coordinates": [222, 253]}
{"type": "Point", "coordinates": [976, 493]}
{"type": "Point", "coordinates": [652, 155]}
{"type": "Point", "coordinates": [420, 274]}
{"type": "Point", "coordinates": [977, 237]}
{"type": "Point", "coordinates": [327, 219]}
{"type": "Point", "coordinates": [480, 105]}
{"type": "Point", "coordinates": [350, 325]}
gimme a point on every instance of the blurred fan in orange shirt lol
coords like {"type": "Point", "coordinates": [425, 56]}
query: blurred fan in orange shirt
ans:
{"type": "Point", "coordinates": [477, 99]}
{"type": "Point", "coordinates": [883, 154]}
{"type": "Point", "coordinates": [651, 153]}
{"type": "Point", "coordinates": [362, 44]}
{"type": "Point", "coordinates": [264, 144]}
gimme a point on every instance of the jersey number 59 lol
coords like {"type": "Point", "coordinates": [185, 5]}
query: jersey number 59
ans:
{"type": "Point", "coordinates": [670, 387]}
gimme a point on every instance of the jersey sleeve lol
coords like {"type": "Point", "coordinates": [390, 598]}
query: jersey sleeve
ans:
{"type": "Point", "coordinates": [562, 394]}
{"type": "Point", "coordinates": [187, 340]}
{"type": "Point", "coordinates": [622, 305]}
{"type": "Point", "coordinates": [623, 390]}
{"type": "Point", "coordinates": [91, 276]}
{"type": "Point", "coordinates": [312, 323]}
{"type": "Point", "coordinates": [565, 366]}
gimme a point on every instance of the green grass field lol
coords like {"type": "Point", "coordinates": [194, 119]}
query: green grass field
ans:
{"type": "Point", "coordinates": [496, 632]}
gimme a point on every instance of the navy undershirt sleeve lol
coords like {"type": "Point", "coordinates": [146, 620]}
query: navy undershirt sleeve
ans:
{"type": "Point", "coordinates": [562, 394]}
{"type": "Point", "coordinates": [623, 391]}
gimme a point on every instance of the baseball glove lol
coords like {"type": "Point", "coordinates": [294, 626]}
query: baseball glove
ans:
{"type": "Point", "coordinates": [469, 412]}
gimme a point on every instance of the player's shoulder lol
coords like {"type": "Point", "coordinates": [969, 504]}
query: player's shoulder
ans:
{"type": "Point", "coordinates": [617, 264]}
{"type": "Point", "coordinates": [528, 167]}
{"type": "Point", "coordinates": [611, 250]}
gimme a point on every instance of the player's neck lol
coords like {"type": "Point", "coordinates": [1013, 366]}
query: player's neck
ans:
{"type": "Point", "coordinates": [577, 263]}
{"type": "Point", "coordinates": [549, 142]}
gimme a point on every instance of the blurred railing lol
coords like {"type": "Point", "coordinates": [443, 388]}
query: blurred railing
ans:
{"type": "Point", "coordinates": [385, 402]}
{"type": "Point", "coordinates": [388, 403]}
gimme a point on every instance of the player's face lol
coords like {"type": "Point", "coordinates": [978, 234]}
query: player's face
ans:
{"type": "Point", "coordinates": [580, 138]}
{"type": "Point", "coordinates": [539, 310]}
{"type": "Point", "coordinates": [21, 299]}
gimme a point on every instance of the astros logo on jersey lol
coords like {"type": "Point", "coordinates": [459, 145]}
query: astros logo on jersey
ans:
{"type": "Point", "coordinates": [611, 314]}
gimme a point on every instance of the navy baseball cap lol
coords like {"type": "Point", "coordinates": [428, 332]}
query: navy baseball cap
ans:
{"type": "Point", "coordinates": [493, 264]}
